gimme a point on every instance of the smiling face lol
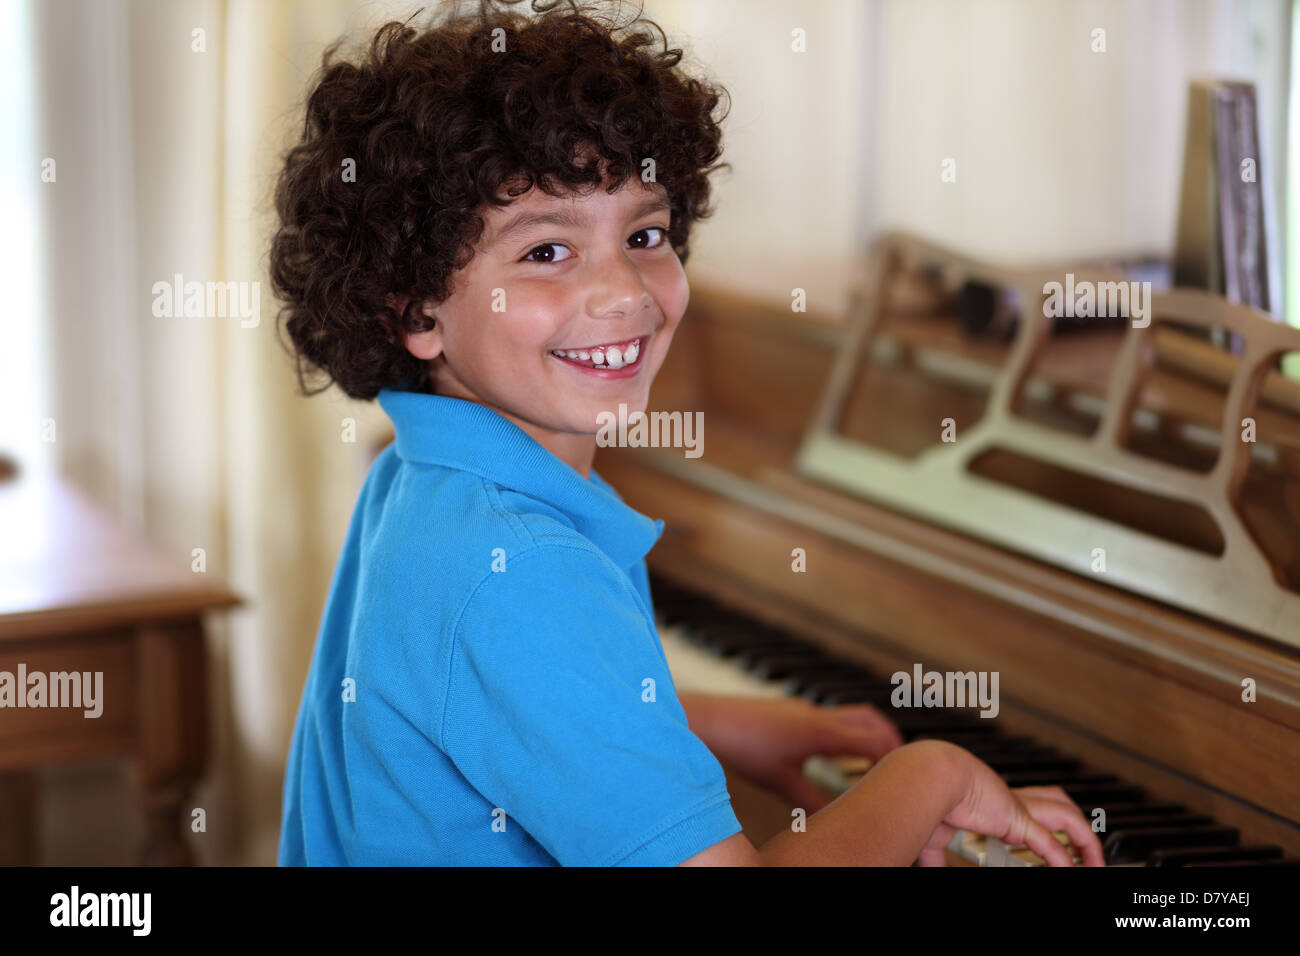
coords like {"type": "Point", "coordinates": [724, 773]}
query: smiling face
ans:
{"type": "Point", "coordinates": [566, 310]}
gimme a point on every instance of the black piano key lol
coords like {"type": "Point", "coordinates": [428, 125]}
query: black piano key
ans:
{"type": "Point", "coordinates": [814, 665]}
{"type": "Point", "coordinates": [727, 640]}
{"type": "Point", "coordinates": [1003, 762]}
{"type": "Point", "coordinates": [828, 671]}
{"type": "Point", "coordinates": [839, 691]}
{"type": "Point", "coordinates": [1088, 790]}
{"type": "Point", "coordinates": [1144, 809]}
{"type": "Point", "coordinates": [841, 688]}
{"type": "Point", "coordinates": [1031, 778]}
{"type": "Point", "coordinates": [736, 648]}
{"type": "Point", "coordinates": [978, 737]}
{"type": "Point", "coordinates": [1222, 854]}
{"type": "Point", "coordinates": [1129, 815]}
{"type": "Point", "coordinates": [1129, 822]}
{"type": "Point", "coordinates": [1136, 845]}
{"type": "Point", "coordinates": [918, 720]}
{"type": "Point", "coordinates": [1091, 797]}
{"type": "Point", "coordinates": [795, 683]}
{"type": "Point", "coordinates": [934, 721]}
{"type": "Point", "coordinates": [781, 665]}
{"type": "Point", "coordinates": [995, 746]}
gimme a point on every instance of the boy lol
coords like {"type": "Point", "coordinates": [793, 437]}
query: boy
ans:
{"type": "Point", "coordinates": [502, 264]}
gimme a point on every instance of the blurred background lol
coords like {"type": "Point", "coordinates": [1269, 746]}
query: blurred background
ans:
{"type": "Point", "coordinates": [165, 121]}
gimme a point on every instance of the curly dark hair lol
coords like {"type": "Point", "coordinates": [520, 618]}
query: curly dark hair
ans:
{"type": "Point", "coordinates": [440, 120]}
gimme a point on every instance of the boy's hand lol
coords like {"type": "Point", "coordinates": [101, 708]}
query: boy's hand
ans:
{"type": "Point", "coordinates": [1027, 815]}
{"type": "Point", "coordinates": [767, 741]}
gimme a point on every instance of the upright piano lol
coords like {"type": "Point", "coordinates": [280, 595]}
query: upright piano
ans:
{"type": "Point", "coordinates": [1105, 512]}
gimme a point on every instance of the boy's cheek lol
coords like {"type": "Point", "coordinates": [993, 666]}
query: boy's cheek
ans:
{"type": "Point", "coordinates": [672, 305]}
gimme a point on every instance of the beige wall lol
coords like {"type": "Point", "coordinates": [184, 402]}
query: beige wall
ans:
{"type": "Point", "coordinates": [1060, 151]}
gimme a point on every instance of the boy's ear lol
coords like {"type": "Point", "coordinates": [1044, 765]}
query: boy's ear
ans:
{"type": "Point", "coordinates": [423, 345]}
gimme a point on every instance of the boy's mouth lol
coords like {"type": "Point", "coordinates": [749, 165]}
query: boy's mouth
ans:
{"type": "Point", "coordinates": [609, 356]}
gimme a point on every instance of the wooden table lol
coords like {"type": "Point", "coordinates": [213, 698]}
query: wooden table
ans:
{"type": "Point", "coordinates": [78, 592]}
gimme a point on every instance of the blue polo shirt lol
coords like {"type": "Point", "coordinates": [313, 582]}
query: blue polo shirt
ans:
{"type": "Point", "coordinates": [488, 687]}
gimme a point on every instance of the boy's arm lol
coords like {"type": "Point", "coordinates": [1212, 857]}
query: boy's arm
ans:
{"type": "Point", "coordinates": [767, 741]}
{"type": "Point", "coordinates": [894, 813]}
{"type": "Point", "coordinates": [727, 722]}
{"type": "Point", "coordinates": [698, 710]}
{"type": "Point", "coordinates": [885, 819]}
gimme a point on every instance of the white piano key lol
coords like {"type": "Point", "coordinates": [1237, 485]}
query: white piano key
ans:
{"type": "Point", "coordinates": [696, 670]}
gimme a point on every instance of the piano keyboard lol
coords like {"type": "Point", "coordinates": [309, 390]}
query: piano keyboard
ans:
{"type": "Point", "coordinates": [713, 649]}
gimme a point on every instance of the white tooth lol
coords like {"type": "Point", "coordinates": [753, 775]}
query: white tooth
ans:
{"type": "Point", "coordinates": [598, 357]}
{"type": "Point", "coordinates": [614, 356]}
{"type": "Point", "coordinates": [584, 355]}
{"type": "Point", "coordinates": [633, 351]}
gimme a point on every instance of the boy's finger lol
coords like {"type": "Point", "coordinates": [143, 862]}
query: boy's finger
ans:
{"type": "Point", "coordinates": [866, 717]}
{"type": "Point", "coordinates": [1055, 794]}
{"type": "Point", "coordinates": [1040, 839]}
{"type": "Point", "coordinates": [932, 854]}
{"type": "Point", "coordinates": [861, 715]}
{"type": "Point", "coordinates": [1056, 816]}
{"type": "Point", "coordinates": [866, 743]}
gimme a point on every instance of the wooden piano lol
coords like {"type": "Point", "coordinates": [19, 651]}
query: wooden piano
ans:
{"type": "Point", "coordinates": [1107, 517]}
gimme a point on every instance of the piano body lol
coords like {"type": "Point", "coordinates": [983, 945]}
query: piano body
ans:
{"type": "Point", "coordinates": [1082, 511]}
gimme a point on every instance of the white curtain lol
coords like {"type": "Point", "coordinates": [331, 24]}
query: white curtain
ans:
{"type": "Point", "coordinates": [167, 142]}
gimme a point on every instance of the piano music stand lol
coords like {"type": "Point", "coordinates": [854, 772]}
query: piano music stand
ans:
{"type": "Point", "coordinates": [1239, 584]}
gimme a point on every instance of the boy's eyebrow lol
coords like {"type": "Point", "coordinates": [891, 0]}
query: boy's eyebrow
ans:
{"type": "Point", "coordinates": [564, 217]}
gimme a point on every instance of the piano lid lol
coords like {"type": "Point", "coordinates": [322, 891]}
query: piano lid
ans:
{"type": "Point", "coordinates": [1078, 419]}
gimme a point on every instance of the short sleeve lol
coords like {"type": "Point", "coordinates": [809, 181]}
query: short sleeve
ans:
{"type": "Point", "coordinates": [560, 710]}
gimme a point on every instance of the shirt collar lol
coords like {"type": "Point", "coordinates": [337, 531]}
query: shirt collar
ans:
{"type": "Point", "coordinates": [457, 433]}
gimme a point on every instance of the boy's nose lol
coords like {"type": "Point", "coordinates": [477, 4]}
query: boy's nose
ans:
{"type": "Point", "coordinates": [621, 298]}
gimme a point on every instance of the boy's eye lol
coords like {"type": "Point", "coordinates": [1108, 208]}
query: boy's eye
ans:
{"type": "Point", "coordinates": [650, 237]}
{"type": "Point", "coordinates": [545, 257]}
{"type": "Point", "coordinates": [663, 236]}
